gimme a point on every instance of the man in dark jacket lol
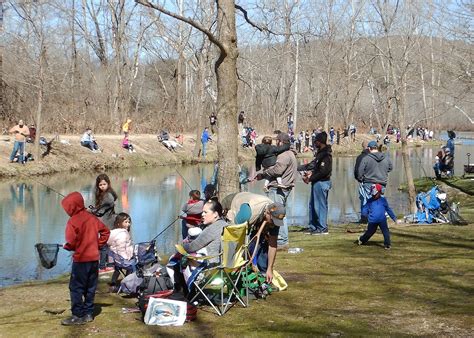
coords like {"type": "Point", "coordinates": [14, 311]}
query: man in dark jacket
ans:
{"type": "Point", "coordinates": [319, 174]}
{"type": "Point", "coordinates": [373, 169]}
{"type": "Point", "coordinates": [362, 195]}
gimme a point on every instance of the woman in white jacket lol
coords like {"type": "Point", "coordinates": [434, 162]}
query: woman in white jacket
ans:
{"type": "Point", "coordinates": [120, 242]}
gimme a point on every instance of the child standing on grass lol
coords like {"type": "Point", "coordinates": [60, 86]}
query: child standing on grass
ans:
{"type": "Point", "coordinates": [104, 208]}
{"type": "Point", "coordinates": [375, 209]}
{"type": "Point", "coordinates": [85, 235]}
{"type": "Point", "coordinates": [120, 242]}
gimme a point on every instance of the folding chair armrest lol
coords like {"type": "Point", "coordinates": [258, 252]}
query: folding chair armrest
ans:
{"type": "Point", "coordinates": [183, 252]}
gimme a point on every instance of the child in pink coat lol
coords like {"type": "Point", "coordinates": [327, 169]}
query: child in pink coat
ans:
{"type": "Point", "coordinates": [120, 242]}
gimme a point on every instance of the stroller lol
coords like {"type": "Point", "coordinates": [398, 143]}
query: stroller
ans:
{"type": "Point", "coordinates": [433, 207]}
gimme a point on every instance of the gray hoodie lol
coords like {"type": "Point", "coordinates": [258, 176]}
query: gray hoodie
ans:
{"type": "Point", "coordinates": [210, 238]}
{"type": "Point", "coordinates": [374, 168]}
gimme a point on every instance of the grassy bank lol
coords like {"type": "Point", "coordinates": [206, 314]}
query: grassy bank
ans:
{"type": "Point", "coordinates": [423, 286]}
{"type": "Point", "coordinates": [67, 155]}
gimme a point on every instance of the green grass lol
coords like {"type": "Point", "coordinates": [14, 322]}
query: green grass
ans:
{"type": "Point", "coordinates": [423, 286]}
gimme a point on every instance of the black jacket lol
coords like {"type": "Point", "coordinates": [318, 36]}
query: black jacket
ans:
{"type": "Point", "coordinates": [267, 154]}
{"type": "Point", "coordinates": [357, 164]}
{"type": "Point", "coordinates": [321, 166]}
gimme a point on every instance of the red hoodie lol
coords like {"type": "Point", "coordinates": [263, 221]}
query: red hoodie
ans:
{"type": "Point", "coordinates": [85, 233]}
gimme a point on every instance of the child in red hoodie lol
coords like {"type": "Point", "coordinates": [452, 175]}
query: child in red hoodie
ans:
{"type": "Point", "coordinates": [85, 234]}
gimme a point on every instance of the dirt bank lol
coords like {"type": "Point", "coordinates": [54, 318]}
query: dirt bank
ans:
{"type": "Point", "coordinates": [67, 155]}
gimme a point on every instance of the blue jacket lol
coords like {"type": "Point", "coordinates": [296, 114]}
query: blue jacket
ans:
{"type": "Point", "coordinates": [450, 145]}
{"type": "Point", "coordinates": [205, 136]}
{"type": "Point", "coordinates": [375, 210]}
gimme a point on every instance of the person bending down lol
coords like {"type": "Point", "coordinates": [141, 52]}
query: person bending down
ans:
{"type": "Point", "coordinates": [375, 209]}
{"type": "Point", "coordinates": [267, 157]}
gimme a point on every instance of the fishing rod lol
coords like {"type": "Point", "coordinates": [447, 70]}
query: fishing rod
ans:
{"type": "Point", "coordinates": [48, 187]}
{"type": "Point", "coordinates": [189, 186]}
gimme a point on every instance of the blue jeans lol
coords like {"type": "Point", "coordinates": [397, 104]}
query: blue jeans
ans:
{"type": "Point", "coordinates": [364, 193]}
{"type": "Point", "coordinates": [204, 146]}
{"type": "Point", "coordinates": [441, 167]}
{"type": "Point", "coordinates": [18, 147]}
{"type": "Point", "coordinates": [279, 195]}
{"type": "Point", "coordinates": [92, 145]}
{"type": "Point", "coordinates": [372, 228]}
{"type": "Point", "coordinates": [184, 229]}
{"type": "Point", "coordinates": [82, 286]}
{"type": "Point", "coordinates": [318, 206]}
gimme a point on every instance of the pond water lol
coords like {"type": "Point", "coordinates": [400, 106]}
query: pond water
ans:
{"type": "Point", "coordinates": [31, 213]}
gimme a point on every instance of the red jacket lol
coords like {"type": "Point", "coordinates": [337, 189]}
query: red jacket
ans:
{"type": "Point", "coordinates": [85, 233]}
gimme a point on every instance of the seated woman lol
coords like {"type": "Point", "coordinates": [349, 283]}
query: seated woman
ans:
{"type": "Point", "coordinates": [209, 238]}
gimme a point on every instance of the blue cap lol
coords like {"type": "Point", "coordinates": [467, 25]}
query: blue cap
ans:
{"type": "Point", "coordinates": [372, 144]}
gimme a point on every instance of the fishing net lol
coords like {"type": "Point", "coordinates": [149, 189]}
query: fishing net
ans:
{"type": "Point", "coordinates": [48, 254]}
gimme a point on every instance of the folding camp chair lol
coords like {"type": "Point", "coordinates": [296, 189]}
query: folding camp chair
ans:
{"type": "Point", "coordinates": [144, 254]}
{"type": "Point", "coordinates": [226, 277]}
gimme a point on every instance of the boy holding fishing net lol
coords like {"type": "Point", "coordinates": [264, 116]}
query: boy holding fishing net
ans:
{"type": "Point", "coordinates": [85, 234]}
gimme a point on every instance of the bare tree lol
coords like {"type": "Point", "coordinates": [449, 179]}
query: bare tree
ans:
{"type": "Point", "coordinates": [226, 74]}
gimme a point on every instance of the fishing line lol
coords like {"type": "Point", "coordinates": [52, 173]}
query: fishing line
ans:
{"type": "Point", "coordinates": [48, 187]}
{"type": "Point", "coordinates": [189, 186]}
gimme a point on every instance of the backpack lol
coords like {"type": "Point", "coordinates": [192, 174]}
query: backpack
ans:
{"type": "Point", "coordinates": [156, 285]}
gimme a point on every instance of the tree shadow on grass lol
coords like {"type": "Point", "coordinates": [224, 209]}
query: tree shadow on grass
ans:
{"type": "Point", "coordinates": [426, 238]}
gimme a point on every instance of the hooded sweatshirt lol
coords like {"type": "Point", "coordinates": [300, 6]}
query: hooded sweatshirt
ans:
{"type": "Point", "coordinates": [358, 160]}
{"type": "Point", "coordinates": [374, 168]}
{"type": "Point", "coordinates": [285, 167]}
{"type": "Point", "coordinates": [210, 238]}
{"type": "Point", "coordinates": [85, 233]}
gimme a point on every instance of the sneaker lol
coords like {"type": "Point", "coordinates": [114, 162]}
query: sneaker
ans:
{"type": "Point", "coordinates": [387, 247]}
{"type": "Point", "coordinates": [358, 242]}
{"type": "Point", "coordinates": [319, 232]}
{"type": "Point", "coordinates": [281, 186]}
{"type": "Point", "coordinates": [88, 318]}
{"type": "Point", "coordinates": [73, 320]}
{"type": "Point", "coordinates": [309, 231]}
{"type": "Point", "coordinates": [106, 269]}
{"type": "Point", "coordinates": [284, 247]}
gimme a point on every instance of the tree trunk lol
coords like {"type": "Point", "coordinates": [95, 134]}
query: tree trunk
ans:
{"type": "Point", "coordinates": [297, 61]}
{"type": "Point", "coordinates": [39, 109]}
{"type": "Point", "coordinates": [226, 71]}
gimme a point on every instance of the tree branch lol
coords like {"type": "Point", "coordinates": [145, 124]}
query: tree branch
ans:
{"type": "Point", "coordinates": [189, 21]}
{"type": "Point", "coordinates": [251, 23]}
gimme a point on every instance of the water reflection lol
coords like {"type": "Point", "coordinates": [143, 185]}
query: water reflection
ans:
{"type": "Point", "coordinates": [31, 213]}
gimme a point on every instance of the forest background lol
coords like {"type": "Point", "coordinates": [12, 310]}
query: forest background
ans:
{"type": "Point", "coordinates": [93, 63]}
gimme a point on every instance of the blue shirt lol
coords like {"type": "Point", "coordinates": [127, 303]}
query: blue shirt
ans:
{"type": "Point", "coordinates": [375, 209]}
{"type": "Point", "coordinates": [205, 136]}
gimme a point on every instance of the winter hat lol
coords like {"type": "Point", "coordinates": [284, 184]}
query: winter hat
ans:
{"type": "Point", "coordinates": [321, 137]}
{"type": "Point", "coordinates": [283, 137]}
